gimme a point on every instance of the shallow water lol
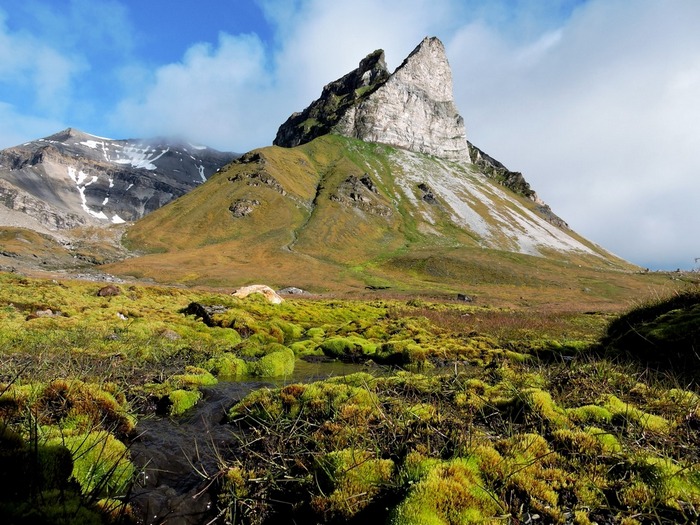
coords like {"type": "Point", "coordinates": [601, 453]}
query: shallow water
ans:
{"type": "Point", "coordinates": [177, 457]}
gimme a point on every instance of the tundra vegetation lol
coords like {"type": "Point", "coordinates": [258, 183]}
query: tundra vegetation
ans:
{"type": "Point", "coordinates": [465, 413]}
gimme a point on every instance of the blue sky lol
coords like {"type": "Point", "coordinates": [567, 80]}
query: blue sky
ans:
{"type": "Point", "coordinates": [595, 101]}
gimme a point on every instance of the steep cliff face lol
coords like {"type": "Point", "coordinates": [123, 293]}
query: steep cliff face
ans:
{"type": "Point", "coordinates": [413, 108]}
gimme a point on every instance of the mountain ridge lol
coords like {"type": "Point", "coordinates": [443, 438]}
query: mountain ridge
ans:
{"type": "Point", "coordinates": [74, 179]}
{"type": "Point", "coordinates": [339, 213]}
{"type": "Point", "coordinates": [343, 213]}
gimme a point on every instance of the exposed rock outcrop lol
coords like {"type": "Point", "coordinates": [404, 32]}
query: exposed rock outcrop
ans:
{"type": "Point", "coordinates": [514, 181]}
{"type": "Point", "coordinates": [22, 205]}
{"type": "Point", "coordinates": [243, 207]}
{"type": "Point", "coordinates": [413, 108]}
{"type": "Point", "coordinates": [493, 169]}
{"type": "Point", "coordinates": [292, 290]}
{"type": "Point", "coordinates": [204, 312]}
{"type": "Point", "coordinates": [265, 290]}
{"type": "Point", "coordinates": [323, 115]}
{"type": "Point", "coordinates": [361, 192]}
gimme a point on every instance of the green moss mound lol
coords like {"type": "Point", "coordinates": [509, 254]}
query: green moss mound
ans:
{"type": "Point", "coordinates": [75, 405]}
{"type": "Point", "coordinates": [69, 480]}
{"type": "Point", "coordinates": [100, 463]}
{"type": "Point", "coordinates": [664, 333]}
{"type": "Point", "coordinates": [180, 401]}
{"type": "Point", "coordinates": [348, 348]}
{"type": "Point", "coordinates": [349, 479]}
{"type": "Point", "coordinates": [227, 365]}
{"type": "Point", "coordinates": [447, 492]}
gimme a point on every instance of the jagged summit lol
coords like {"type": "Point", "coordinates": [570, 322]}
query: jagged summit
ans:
{"type": "Point", "coordinates": [323, 115]}
{"type": "Point", "coordinates": [413, 108]}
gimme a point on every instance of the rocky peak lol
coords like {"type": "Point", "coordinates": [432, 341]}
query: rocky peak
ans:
{"type": "Point", "coordinates": [323, 114]}
{"type": "Point", "coordinates": [67, 134]}
{"type": "Point", "coordinates": [413, 108]}
{"type": "Point", "coordinates": [427, 70]}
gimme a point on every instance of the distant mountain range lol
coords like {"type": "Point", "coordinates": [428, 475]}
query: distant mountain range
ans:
{"type": "Point", "coordinates": [73, 179]}
{"type": "Point", "coordinates": [374, 184]}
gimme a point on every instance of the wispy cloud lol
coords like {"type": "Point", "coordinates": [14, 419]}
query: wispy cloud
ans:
{"type": "Point", "coordinates": [29, 66]}
{"type": "Point", "coordinates": [235, 93]}
{"type": "Point", "coordinates": [48, 63]}
{"type": "Point", "coordinates": [599, 119]}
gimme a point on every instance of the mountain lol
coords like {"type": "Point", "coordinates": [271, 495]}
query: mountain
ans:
{"type": "Point", "coordinates": [338, 212]}
{"type": "Point", "coordinates": [72, 179]}
{"type": "Point", "coordinates": [374, 184]}
{"type": "Point", "coordinates": [412, 109]}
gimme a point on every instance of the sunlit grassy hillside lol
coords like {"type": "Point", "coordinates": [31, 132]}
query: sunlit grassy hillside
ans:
{"type": "Point", "coordinates": [338, 214]}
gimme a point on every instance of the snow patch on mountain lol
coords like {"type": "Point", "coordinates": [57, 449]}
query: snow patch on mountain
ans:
{"type": "Point", "coordinates": [140, 157]}
{"type": "Point", "coordinates": [92, 144]}
{"type": "Point", "coordinates": [93, 189]}
{"type": "Point", "coordinates": [135, 155]}
{"type": "Point", "coordinates": [79, 177]}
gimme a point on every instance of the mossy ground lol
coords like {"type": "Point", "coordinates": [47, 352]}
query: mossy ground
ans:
{"type": "Point", "coordinates": [479, 414]}
{"type": "Point", "coordinates": [506, 443]}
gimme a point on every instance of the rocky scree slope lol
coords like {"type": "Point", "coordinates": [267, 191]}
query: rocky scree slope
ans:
{"type": "Point", "coordinates": [72, 179]}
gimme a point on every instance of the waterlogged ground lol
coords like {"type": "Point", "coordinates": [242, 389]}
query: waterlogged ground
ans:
{"type": "Point", "coordinates": [177, 458]}
{"type": "Point", "coordinates": [166, 405]}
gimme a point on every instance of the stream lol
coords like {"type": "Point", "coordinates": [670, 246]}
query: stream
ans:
{"type": "Point", "coordinates": [177, 457]}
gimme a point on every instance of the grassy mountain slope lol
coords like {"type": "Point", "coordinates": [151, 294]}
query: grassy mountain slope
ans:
{"type": "Point", "coordinates": [339, 214]}
{"type": "Point", "coordinates": [28, 251]}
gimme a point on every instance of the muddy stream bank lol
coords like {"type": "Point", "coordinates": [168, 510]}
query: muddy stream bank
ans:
{"type": "Point", "coordinates": [177, 458]}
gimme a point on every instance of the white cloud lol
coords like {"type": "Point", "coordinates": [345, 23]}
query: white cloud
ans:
{"type": "Point", "coordinates": [18, 128]}
{"type": "Point", "coordinates": [215, 95]}
{"type": "Point", "coordinates": [600, 119]}
{"type": "Point", "coordinates": [30, 65]}
{"type": "Point", "coordinates": [235, 94]}
{"type": "Point", "coordinates": [44, 64]}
